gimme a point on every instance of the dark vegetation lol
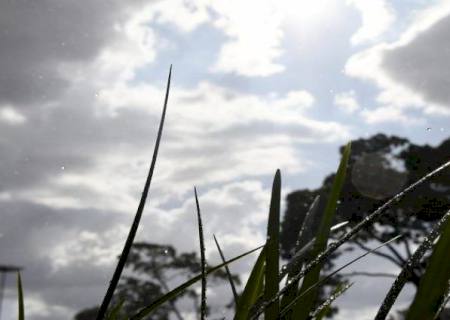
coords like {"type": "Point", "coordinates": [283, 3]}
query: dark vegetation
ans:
{"type": "Point", "coordinates": [374, 176]}
{"type": "Point", "coordinates": [385, 190]}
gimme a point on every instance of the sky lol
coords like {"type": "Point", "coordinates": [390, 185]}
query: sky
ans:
{"type": "Point", "coordinates": [256, 86]}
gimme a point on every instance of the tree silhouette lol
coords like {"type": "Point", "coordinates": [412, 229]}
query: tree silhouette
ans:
{"type": "Point", "coordinates": [150, 269]}
{"type": "Point", "coordinates": [379, 167]}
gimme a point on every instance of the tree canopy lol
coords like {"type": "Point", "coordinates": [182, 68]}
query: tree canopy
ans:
{"type": "Point", "coordinates": [379, 167]}
{"type": "Point", "coordinates": [151, 270]}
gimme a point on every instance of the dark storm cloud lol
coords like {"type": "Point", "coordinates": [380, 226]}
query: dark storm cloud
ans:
{"type": "Point", "coordinates": [37, 37]}
{"type": "Point", "coordinates": [422, 64]}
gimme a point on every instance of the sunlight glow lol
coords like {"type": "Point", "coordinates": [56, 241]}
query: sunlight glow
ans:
{"type": "Point", "coordinates": [306, 14]}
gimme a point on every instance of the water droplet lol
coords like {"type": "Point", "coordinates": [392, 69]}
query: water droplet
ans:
{"type": "Point", "coordinates": [442, 129]}
{"type": "Point", "coordinates": [166, 251]}
{"type": "Point", "coordinates": [428, 129]}
{"type": "Point", "coordinates": [63, 168]}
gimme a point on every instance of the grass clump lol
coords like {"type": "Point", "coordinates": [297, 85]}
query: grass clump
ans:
{"type": "Point", "coordinates": [297, 299]}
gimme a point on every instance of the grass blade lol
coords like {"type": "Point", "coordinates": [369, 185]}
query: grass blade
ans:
{"type": "Point", "coordinates": [297, 259]}
{"type": "Point", "coordinates": [272, 249]}
{"type": "Point", "coordinates": [303, 245]}
{"type": "Point", "coordinates": [434, 282]}
{"type": "Point", "coordinates": [412, 262]}
{"type": "Point", "coordinates": [115, 311]}
{"type": "Point", "coordinates": [21, 311]}
{"type": "Point", "coordinates": [301, 311]}
{"type": "Point", "coordinates": [132, 233]}
{"type": "Point", "coordinates": [374, 216]}
{"type": "Point", "coordinates": [202, 257]}
{"type": "Point", "coordinates": [252, 288]}
{"type": "Point", "coordinates": [168, 296]}
{"type": "Point", "coordinates": [321, 311]}
{"type": "Point", "coordinates": [227, 269]}
{"type": "Point", "coordinates": [443, 304]}
{"type": "Point", "coordinates": [335, 272]}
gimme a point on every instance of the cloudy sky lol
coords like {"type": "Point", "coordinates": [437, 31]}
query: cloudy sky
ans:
{"type": "Point", "coordinates": [257, 85]}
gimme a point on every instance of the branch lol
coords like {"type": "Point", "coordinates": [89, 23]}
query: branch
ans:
{"type": "Point", "coordinates": [381, 254]}
{"type": "Point", "coordinates": [408, 248]}
{"type": "Point", "coordinates": [390, 247]}
{"type": "Point", "coordinates": [161, 279]}
{"type": "Point", "coordinates": [369, 274]}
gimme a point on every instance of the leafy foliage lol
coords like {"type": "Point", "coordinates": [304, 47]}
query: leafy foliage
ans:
{"type": "Point", "coordinates": [150, 271]}
{"type": "Point", "coordinates": [363, 193]}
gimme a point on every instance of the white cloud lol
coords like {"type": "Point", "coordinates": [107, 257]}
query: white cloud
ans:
{"type": "Point", "coordinates": [389, 114]}
{"type": "Point", "coordinates": [212, 135]}
{"type": "Point", "coordinates": [73, 173]}
{"type": "Point", "coordinates": [412, 73]}
{"type": "Point", "coordinates": [347, 101]}
{"type": "Point", "coordinates": [255, 35]}
{"type": "Point", "coordinates": [11, 116]}
{"type": "Point", "coordinates": [377, 16]}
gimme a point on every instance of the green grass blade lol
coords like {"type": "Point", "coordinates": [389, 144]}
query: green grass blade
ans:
{"type": "Point", "coordinates": [433, 285]}
{"type": "Point", "coordinates": [252, 288]}
{"type": "Point", "coordinates": [303, 245]}
{"type": "Point", "coordinates": [227, 269]}
{"type": "Point", "coordinates": [202, 258]}
{"type": "Point", "coordinates": [172, 294]}
{"type": "Point", "coordinates": [302, 310]}
{"type": "Point", "coordinates": [132, 233]}
{"type": "Point", "coordinates": [324, 279]}
{"type": "Point", "coordinates": [272, 249]}
{"type": "Point", "coordinates": [370, 218]}
{"type": "Point", "coordinates": [443, 304]}
{"type": "Point", "coordinates": [115, 311]}
{"type": "Point", "coordinates": [297, 259]}
{"type": "Point", "coordinates": [21, 311]}
{"type": "Point", "coordinates": [322, 310]}
{"type": "Point", "coordinates": [404, 276]}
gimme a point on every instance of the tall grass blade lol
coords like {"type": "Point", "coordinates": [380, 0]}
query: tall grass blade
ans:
{"type": "Point", "coordinates": [175, 292]}
{"type": "Point", "coordinates": [443, 304]}
{"type": "Point", "coordinates": [412, 262]}
{"type": "Point", "coordinates": [252, 288]}
{"type": "Point", "coordinates": [21, 311]}
{"type": "Point", "coordinates": [115, 311]}
{"type": "Point", "coordinates": [202, 258]}
{"type": "Point", "coordinates": [434, 283]}
{"type": "Point", "coordinates": [322, 310]}
{"type": "Point", "coordinates": [303, 245]}
{"type": "Point", "coordinates": [374, 216]}
{"type": "Point", "coordinates": [299, 256]}
{"type": "Point", "coordinates": [132, 233]}
{"type": "Point", "coordinates": [227, 269]}
{"type": "Point", "coordinates": [272, 249]}
{"type": "Point", "coordinates": [324, 279]}
{"type": "Point", "coordinates": [301, 311]}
